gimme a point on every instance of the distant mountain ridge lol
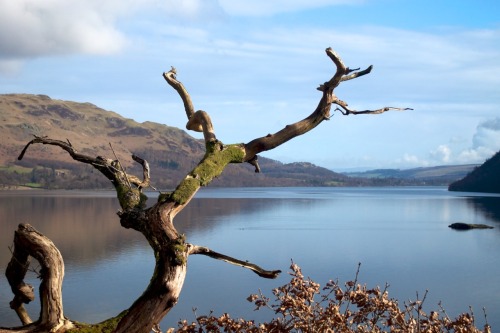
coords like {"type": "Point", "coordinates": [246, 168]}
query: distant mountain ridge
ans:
{"type": "Point", "coordinates": [436, 175]}
{"type": "Point", "coordinates": [485, 178]}
{"type": "Point", "coordinates": [170, 151]}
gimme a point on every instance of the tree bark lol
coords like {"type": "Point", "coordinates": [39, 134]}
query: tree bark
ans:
{"type": "Point", "coordinates": [157, 222]}
{"type": "Point", "coordinates": [29, 242]}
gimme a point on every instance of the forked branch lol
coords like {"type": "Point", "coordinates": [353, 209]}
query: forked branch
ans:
{"type": "Point", "coordinates": [322, 112]}
{"type": "Point", "coordinates": [129, 197]}
{"type": "Point", "coordinates": [198, 121]}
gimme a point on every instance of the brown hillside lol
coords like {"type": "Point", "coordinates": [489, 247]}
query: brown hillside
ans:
{"type": "Point", "coordinates": [88, 127]}
{"type": "Point", "coordinates": [170, 151]}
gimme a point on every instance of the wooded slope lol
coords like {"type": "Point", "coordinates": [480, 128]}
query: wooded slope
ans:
{"type": "Point", "coordinates": [485, 178]}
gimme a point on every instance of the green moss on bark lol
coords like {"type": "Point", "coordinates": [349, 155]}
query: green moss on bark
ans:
{"type": "Point", "coordinates": [185, 190]}
{"type": "Point", "coordinates": [178, 247]}
{"type": "Point", "coordinates": [130, 197]}
{"type": "Point", "coordinates": [106, 326]}
{"type": "Point", "coordinates": [213, 164]}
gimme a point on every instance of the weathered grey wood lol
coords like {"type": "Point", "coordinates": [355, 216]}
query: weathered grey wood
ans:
{"type": "Point", "coordinates": [29, 242]}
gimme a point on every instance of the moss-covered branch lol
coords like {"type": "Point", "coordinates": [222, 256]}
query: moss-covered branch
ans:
{"type": "Point", "coordinates": [216, 159]}
{"type": "Point", "coordinates": [107, 326]}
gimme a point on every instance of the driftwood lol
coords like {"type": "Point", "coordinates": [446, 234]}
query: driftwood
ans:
{"type": "Point", "coordinates": [156, 223]}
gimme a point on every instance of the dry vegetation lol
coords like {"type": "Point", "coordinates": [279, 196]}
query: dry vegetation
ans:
{"type": "Point", "coordinates": [303, 306]}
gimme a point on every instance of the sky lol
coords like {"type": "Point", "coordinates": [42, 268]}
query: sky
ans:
{"type": "Point", "coordinates": [254, 66]}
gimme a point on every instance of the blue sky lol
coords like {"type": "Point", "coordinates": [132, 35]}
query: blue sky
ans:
{"type": "Point", "coordinates": [254, 67]}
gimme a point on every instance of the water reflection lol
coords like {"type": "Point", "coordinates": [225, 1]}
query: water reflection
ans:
{"type": "Point", "coordinates": [488, 206]}
{"type": "Point", "coordinates": [107, 266]}
{"type": "Point", "coordinates": [214, 212]}
{"type": "Point", "coordinates": [400, 235]}
{"type": "Point", "coordinates": [85, 229]}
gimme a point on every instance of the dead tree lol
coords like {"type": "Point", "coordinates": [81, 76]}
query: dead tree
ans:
{"type": "Point", "coordinates": [156, 223]}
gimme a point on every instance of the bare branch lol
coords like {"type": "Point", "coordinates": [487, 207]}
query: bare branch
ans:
{"type": "Point", "coordinates": [170, 77]}
{"type": "Point", "coordinates": [129, 197]}
{"type": "Point", "coordinates": [23, 292]}
{"type": "Point", "coordinates": [255, 162]}
{"type": "Point", "coordinates": [106, 166]}
{"type": "Point", "coordinates": [291, 131]}
{"type": "Point", "coordinates": [198, 121]}
{"type": "Point", "coordinates": [146, 182]}
{"type": "Point", "coordinates": [66, 146]}
{"type": "Point", "coordinates": [341, 69]}
{"type": "Point", "coordinates": [122, 169]}
{"type": "Point", "coordinates": [194, 249]}
{"type": "Point", "coordinates": [29, 242]}
{"type": "Point", "coordinates": [321, 113]}
{"type": "Point", "coordinates": [378, 111]}
{"type": "Point", "coordinates": [357, 74]}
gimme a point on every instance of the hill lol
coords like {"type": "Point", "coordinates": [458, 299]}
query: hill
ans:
{"type": "Point", "coordinates": [170, 151]}
{"type": "Point", "coordinates": [485, 178]}
{"type": "Point", "coordinates": [437, 175]}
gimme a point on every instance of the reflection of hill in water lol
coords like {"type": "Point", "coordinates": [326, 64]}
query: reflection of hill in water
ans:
{"type": "Point", "coordinates": [203, 214]}
{"type": "Point", "coordinates": [86, 229]}
{"type": "Point", "coordinates": [488, 206]}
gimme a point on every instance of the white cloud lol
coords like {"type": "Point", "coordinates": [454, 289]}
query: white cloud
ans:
{"type": "Point", "coordinates": [442, 154]}
{"type": "Point", "coordinates": [30, 28]}
{"type": "Point", "coordinates": [474, 156]}
{"type": "Point", "coordinates": [485, 142]}
{"type": "Point", "coordinates": [33, 28]}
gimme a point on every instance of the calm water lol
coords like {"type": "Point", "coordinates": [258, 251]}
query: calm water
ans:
{"type": "Point", "coordinates": [400, 236]}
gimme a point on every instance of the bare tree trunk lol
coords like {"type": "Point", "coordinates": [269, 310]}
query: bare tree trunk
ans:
{"type": "Point", "coordinates": [170, 270]}
{"type": "Point", "coordinates": [29, 242]}
{"type": "Point", "coordinates": [160, 296]}
{"type": "Point", "coordinates": [156, 223]}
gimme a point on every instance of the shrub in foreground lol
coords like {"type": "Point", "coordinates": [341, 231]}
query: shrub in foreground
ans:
{"type": "Point", "coordinates": [302, 306]}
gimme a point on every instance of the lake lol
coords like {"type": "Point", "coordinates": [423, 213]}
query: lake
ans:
{"type": "Point", "coordinates": [400, 236]}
